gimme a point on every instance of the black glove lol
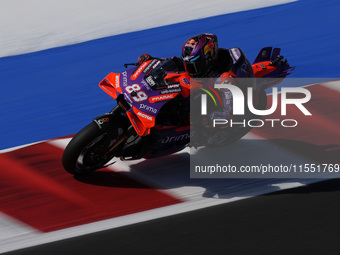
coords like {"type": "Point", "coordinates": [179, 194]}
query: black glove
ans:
{"type": "Point", "coordinates": [143, 58]}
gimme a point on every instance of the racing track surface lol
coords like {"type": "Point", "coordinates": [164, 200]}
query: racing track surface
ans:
{"type": "Point", "coordinates": [130, 192]}
{"type": "Point", "coordinates": [49, 201]}
{"type": "Point", "coordinates": [296, 221]}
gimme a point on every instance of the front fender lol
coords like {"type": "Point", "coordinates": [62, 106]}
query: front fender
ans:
{"type": "Point", "coordinates": [104, 121]}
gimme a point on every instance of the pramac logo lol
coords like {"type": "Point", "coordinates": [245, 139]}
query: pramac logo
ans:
{"type": "Point", "coordinates": [162, 97]}
{"type": "Point", "coordinates": [138, 71]}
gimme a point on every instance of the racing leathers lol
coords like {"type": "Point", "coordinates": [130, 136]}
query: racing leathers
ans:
{"type": "Point", "coordinates": [230, 65]}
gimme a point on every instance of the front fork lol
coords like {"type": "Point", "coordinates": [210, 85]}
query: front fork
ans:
{"type": "Point", "coordinates": [115, 122]}
{"type": "Point", "coordinates": [117, 126]}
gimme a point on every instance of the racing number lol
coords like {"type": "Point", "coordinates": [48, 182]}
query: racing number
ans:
{"type": "Point", "coordinates": [140, 94]}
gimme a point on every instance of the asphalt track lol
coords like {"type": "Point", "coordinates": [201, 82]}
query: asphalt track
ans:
{"type": "Point", "coordinates": [304, 220]}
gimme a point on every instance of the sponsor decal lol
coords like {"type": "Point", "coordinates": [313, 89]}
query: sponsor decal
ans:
{"type": "Point", "coordinates": [127, 97]}
{"type": "Point", "coordinates": [147, 69]}
{"type": "Point", "coordinates": [245, 67]}
{"type": "Point", "coordinates": [228, 94]}
{"type": "Point", "coordinates": [157, 64]}
{"type": "Point", "coordinates": [186, 81]}
{"type": "Point", "coordinates": [138, 71]}
{"type": "Point", "coordinates": [167, 91]}
{"type": "Point", "coordinates": [234, 52]}
{"type": "Point", "coordinates": [125, 79]}
{"type": "Point", "coordinates": [150, 81]}
{"type": "Point", "coordinates": [178, 138]}
{"type": "Point", "coordinates": [172, 86]}
{"type": "Point", "coordinates": [148, 108]}
{"type": "Point", "coordinates": [117, 81]}
{"type": "Point", "coordinates": [162, 97]}
{"type": "Point", "coordinates": [146, 85]}
{"type": "Point", "coordinates": [145, 116]}
{"type": "Point", "coordinates": [102, 121]}
{"type": "Point", "coordinates": [108, 91]}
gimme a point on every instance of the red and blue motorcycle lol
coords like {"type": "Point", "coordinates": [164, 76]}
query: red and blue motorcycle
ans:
{"type": "Point", "coordinates": [152, 115]}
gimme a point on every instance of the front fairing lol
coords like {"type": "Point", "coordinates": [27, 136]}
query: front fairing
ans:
{"type": "Point", "coordinates": [136, 87]}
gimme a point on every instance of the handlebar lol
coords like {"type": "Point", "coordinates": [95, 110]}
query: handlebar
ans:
{"type": "Point", "coordinates": [130, 64]}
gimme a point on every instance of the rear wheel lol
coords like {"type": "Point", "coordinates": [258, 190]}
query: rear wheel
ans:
{"type": "Point", "coordinates": [88, 150]}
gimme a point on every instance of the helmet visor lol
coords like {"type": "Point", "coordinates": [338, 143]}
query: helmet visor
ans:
{"type": "Point", "coordinates": [196, 68]}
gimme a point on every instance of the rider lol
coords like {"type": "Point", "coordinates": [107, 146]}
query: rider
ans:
{"type": "Point", "coordinates": [202, 58]}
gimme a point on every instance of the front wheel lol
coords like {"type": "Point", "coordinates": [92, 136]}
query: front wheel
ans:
{"type": "Point", "coordinates": [88, 150]}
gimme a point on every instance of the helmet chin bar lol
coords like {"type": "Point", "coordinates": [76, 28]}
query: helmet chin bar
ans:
{"type": "Point", "coordinates": [196, 71]}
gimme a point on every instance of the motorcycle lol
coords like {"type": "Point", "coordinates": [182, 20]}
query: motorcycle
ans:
{"type": "Point", "coordinates": [152, 115]}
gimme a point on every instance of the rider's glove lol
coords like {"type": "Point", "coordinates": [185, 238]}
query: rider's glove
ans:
{"type": "Point", "coordinates": [143, 58]}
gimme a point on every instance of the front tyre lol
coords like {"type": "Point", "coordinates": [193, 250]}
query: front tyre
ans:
{"type": "Point", "coordinates": [87, 151]}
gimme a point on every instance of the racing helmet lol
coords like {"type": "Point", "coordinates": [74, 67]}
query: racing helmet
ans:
{"type": "Point", "coordinates": [199, 53]}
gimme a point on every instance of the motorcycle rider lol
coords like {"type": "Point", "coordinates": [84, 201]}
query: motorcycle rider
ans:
{"type": "Point", "coordinates": [202, 58]}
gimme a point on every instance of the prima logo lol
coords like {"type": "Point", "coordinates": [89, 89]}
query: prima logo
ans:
{"type": "Point", "coordinates": [125, 79]}
{"type": "Point", "coordinates": [148, 108]}
{"type": "Point", "coordinates": [178, 138]}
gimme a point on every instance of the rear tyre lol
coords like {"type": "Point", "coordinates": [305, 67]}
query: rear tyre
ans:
{"type": "Point", "coordinates": [87, 151]}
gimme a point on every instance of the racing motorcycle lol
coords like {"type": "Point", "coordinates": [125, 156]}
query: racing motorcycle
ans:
{"type": "Point", "coordinates": [152, 115]}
